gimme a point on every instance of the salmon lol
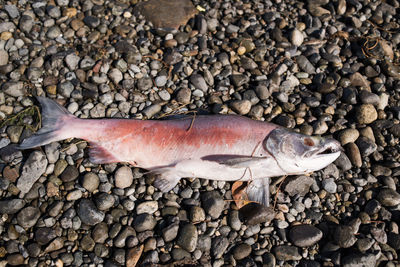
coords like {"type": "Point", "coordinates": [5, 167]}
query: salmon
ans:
{"type": "Point", "coordinates": [217, 147]}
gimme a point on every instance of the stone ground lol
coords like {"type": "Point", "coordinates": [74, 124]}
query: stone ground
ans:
{"type": "Point", "coordinates": [327, 68]}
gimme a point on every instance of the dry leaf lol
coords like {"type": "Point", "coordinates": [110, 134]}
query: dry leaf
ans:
{"type": "Point", "coordinates": [239, 193]}
{"type": "Point", "coordinates": [133, 256]}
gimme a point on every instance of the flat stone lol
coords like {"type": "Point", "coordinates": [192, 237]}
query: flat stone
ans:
{"type": "Point", "coordinates": [305, 235]}
{"type": "Point", "coordinates": [144, 222]}
{"type": "Point", "coordinates": [254, 213]}
{"type": "Point", "coordinates": [299, 185]}
{"type": "Point", "coordinates": [348, 136]}
{"type": "Point", "coordinates": [11, 206]}
{"type": "Point", "coordinates": [167, 13]}
{"type": "Point", "coordinates": [14, 89]}
{"type": "Point", "coordinates": [148, 207]}
{"type": "Point", "coordinates": [3, 57]}
{"type": "Point", "coordinates": [170, 232]}
{"type": "Point", "coordinates": [219, 245]}
{"type": "Point", "coordinates": [287, 253]}
{"type": "Point", "coordinates": [344, 236]}
{"type": "Point", "coordinates": [388, 197]}
{"type": "Point", "coordinates": [33, 168]}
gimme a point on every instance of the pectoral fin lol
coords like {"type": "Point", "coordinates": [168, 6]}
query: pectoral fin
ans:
{"type": "Point", "coordinates": [258, 190]}
{"type": "Point", "coordinates": [243, 162]}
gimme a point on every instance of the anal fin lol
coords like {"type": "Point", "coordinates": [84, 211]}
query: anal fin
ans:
{"type": "Point", "coordinates": [258, 190]}
{"type": "Point", "coordinates": [99, 155]}
{"type": "Point", "coordinates": [165, 179]}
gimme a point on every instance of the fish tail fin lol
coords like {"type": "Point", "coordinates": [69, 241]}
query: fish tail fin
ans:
{"type": "Point", "coordinates": [55, 123]}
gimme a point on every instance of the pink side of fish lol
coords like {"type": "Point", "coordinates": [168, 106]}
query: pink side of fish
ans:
{"type": "Point", "coordinates": [152, 144]}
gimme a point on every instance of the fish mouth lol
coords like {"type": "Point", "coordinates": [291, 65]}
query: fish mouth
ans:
{"type": "Point", "coordinates": [331, 146]}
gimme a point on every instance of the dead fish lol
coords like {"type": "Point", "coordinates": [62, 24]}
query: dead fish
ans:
{"type": "Point", "coordinates": [216, 147]}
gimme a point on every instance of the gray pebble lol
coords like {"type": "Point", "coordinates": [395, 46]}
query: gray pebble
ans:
{"type": "Point", "coordinates": [147, 207]}
{"type": "Point", "coordinates": [212, 203]}
{"type": "Point", "coordinates": [305, 235]}
{"type": "Point", "coordinates": [33, 168]}
{"type": "Point", "coordinates": [388, 197]}
{"type": "Point", "coordinates": [187, 238]}
{"type": "Point", "coordinates": [144, 222]}
{"type": "Point", "coordinates": [90, 181]}
{"type": "Point", "coordinates": [198, 82]}
{"type": "Point", "coordinates": [28, 217]}
{"type": "Point", "coordinates": [88, 212]}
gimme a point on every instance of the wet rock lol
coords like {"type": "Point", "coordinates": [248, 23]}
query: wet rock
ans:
{"type": "Point", "coordinates": [305, 235]}
{"type": "Point", "coordinates": [33, 168]}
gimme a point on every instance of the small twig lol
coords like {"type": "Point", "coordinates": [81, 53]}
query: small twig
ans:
{"type": "Point", "coordinates": [67, 147]}
{"type": "Point", "coordinates": [192, 122]}
{"type": "Point", "coordinates": [278, 190]}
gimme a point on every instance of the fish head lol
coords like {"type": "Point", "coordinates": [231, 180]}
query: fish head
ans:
{"type": "Point", "coordinates": [297, 153]}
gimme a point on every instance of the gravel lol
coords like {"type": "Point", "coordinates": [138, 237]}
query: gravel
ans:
{"type": "Point", "coordinates": [317, 67]}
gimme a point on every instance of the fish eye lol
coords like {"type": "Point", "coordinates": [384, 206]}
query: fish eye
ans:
{"type": "Point", "coordinates": [308, 141]}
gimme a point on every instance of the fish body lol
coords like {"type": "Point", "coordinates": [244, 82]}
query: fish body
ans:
{"type": "Point", "coordinates": [217, 147]}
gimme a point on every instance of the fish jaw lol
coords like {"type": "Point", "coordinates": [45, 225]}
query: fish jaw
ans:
{"type": "Point", "coordinates": [298, 154]}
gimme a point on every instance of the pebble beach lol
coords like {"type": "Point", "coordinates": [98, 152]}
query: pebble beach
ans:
{"type": "Point", "coordinates": [328, 68]}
